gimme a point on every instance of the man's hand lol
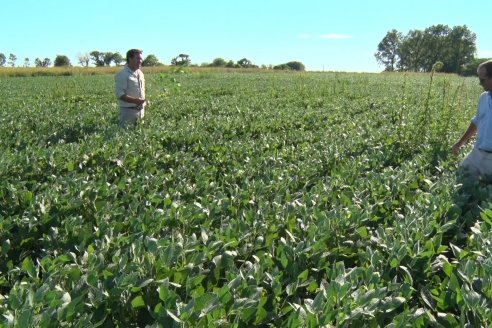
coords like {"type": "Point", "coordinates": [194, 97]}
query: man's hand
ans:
{"type": "Point", "coordinates": [470, 132]}
{"type": "Point", "coordinates": [139, 102]}
{"type": "Point", "coordinates": [136, 101]}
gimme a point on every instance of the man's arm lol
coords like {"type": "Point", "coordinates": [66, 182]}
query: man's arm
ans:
{"type": "Point", "coordinates": [133, 100]}
{"type": "Point", "coordinates": [470, 132]}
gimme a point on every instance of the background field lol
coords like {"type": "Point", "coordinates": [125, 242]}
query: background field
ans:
{"type": "Point", "coordinates": [244, 199]}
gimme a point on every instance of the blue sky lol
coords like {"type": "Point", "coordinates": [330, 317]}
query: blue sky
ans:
{"type": "Point", "coordinates": [325, 35]}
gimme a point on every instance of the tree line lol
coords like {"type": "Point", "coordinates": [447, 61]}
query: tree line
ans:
{"type": "Point", "coordinates": [95, 57]}
{"type": "Point", "coordinates": [101, 59]}
{"type": "Point", "coordinates": [439, 47]}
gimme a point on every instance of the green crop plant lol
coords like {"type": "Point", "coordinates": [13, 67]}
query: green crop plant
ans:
{"type": "Point", "coordinates": [244, 199]}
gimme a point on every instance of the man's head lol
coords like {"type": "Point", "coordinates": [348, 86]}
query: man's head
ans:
{"type": "Point", "coordinates": [134, 58]}
{"type": "Point", "coordinates": [484, 72]}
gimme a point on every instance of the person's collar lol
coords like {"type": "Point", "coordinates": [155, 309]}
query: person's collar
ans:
{"type": "Point", "coordinates": [130, 70]}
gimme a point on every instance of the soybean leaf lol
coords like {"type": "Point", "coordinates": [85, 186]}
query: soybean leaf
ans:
{"type": "Point", "coordinates": [138, 302]}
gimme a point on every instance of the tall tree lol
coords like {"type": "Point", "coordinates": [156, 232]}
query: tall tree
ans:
{"type": "Point", "coordinates": [387, 54]}
{"type": "Point", "coordinates": [419, 51]}
{"type": "Point", "coordinates": [108, 58]}
{"type": "Point", "coordinates": [412, 51]}
{"type": "Point", "coordinates": [462, 49]}
{"type": "Point", "coordinates": [117, 58]}
{"type": "Point", "coordinates": [436, 46]}
{"type": "Point", "coordinates": [26, 62]}
{"type": "Point", "coordinates": [3, 59]}
{"type": "Point", "coordinates": [98, 58]}
{"type": "Point", "coordinates": [12, 60]}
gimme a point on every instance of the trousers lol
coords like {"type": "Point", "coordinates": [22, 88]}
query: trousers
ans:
{"type": "Point", "coordinates": [131, 115]}
{"type": "Point", "coordinates": [478, 163]}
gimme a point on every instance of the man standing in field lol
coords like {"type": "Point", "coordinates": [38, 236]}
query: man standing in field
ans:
{"type": "Point", "coordinates": [479, 161]}
{"type": "Point", "coordinates": [130, 89]}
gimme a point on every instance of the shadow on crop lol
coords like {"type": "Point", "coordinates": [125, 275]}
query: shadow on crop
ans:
{"type": "Point", "coordinates": [72, 134]}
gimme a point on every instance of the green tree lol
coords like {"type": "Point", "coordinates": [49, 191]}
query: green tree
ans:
{"type": "Point", "coordinates": [387, 53]}
{"type": "Point", "coordinates": [26, 62]}
{"type": "Point", "coordinates": [246, 63]}
{"type": "Point", "coordinates": [118, 58]}
{"type": "Point", "coordinates": [462, 49]}
{"type": "Point", "coordinates": [108, 58]}
{"type": "Point", "coordinates": [151, 60]}
{"type": "Point", "coordinates": [419, 51]}
{"type": "Point", "coordinates": [3, 59]}
{"type": "Point", "coordinates": [436, 46]}
{"type": "Point", "coordinates": [42, 63]}
{"type": "Point", "coordinates": [412, 51]}
{"type": "Point", "coordinates": [12, 60]}
{"type": "Point", "coordinates": [181, 60]}
{"type": "Point", "coordinates": [453, 47]}
{"type": "Point", "coordinates": [61, 60]}
{"type": "Point", "coordinates": [98, 58]}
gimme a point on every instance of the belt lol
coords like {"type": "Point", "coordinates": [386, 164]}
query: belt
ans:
{"type": "Point", "coordinates": [134, 108]}
{"type": "Point", "coordinates": [487, 151]}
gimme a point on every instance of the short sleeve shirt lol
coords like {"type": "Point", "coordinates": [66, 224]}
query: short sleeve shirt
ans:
{"type": "Point", "coordinates": [130, 83]}
{"type": "Point", "coordinates": [483, 121]}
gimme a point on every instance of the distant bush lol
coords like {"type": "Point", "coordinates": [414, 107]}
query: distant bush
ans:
{"type": "Point", "coordinates": [151, 60]}
{"type": "Point", "coordinates": [281, 67]}
{"type": "Point", "coordinates": [218, 62]}
{"type": "Point", "coordinates": [293, 65]}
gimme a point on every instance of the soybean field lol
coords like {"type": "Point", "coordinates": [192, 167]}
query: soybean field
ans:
{"type": "Point", "coordinates": [243, 200]}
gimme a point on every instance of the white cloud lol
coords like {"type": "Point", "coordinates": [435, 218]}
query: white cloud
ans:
{"type": "Point", "coordinates": [335, 36]}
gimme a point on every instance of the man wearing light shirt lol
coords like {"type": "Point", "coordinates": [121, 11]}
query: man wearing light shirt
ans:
{"type": "Point", "coordinates": [478, 162]}
{"type": "Point", "coordinates": [130, 89]}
